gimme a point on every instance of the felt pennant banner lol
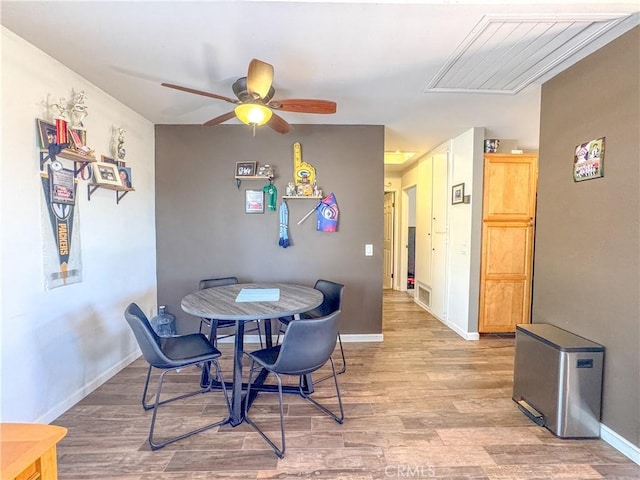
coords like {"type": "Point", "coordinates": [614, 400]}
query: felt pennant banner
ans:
{"type": "Point", "coordinates": [62, 263]}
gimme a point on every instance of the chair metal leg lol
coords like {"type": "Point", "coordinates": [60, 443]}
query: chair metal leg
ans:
{"type": "Point", "coordinates": [260, 333]}
{"type": "Point", "coordinates": [146, 388]}
{"type": "Point", "coordinates": [344, 361]}
{"type": "Point", "coordinates": [344, 364]}
{"type": "Point", "coordinates": [148, 406]}
{"type": "Point", "coordinates": [202, 322]}
{"type": "Point", "coordinates": [337, 418]}
{"type": "Point", "coordinates": [278, 451]}
{"type": "Point", "coordinates": [213, 334]}
{"type": "Point", "coordinates": [157, 445]}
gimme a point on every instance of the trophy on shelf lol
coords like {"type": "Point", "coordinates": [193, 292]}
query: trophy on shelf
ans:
{"type": "Point", "coordinates": [120, 151]}
{"type": "Point", "coordinates": [78, 110]}
{"type": "Point", "coordinates": [78, 133]}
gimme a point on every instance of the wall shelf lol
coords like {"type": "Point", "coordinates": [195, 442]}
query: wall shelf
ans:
{"type": "Point", "coordinates": [68, 154]}
{"type": "Point", "coordinates": [239, 178]}
{"type": "Point", "coordinates": [120, 191]}
{"type": "Point", "coordinates": [302, 197]}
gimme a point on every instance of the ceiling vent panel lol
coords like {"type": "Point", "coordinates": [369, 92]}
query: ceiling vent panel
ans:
{"type": "Point", "coordinates": [504, 54]}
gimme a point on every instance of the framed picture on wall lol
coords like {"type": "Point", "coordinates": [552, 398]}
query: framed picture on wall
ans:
{"type": "Point", "coordinates": [253, 201]}
{"type": "Point", "coordinates": [125, 176]}
{"type": "Point", "coordinates": [457, 194]}
{"type": "Point", "coordinates": [106, 174]}
{"type": "Point", "coordinates": [62, 185]}
{"type": "Point", "coordinates": [588, 160]}
{"type": "Point", "coordinates": [246, 169]}
{"type": "Point", "coordinates": [47, 133]}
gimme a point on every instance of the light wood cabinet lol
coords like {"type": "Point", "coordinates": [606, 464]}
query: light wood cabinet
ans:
{"type": "Point", "coordinates": [509, 203]}
{"type": "Point", "coordinates": [29, 451]}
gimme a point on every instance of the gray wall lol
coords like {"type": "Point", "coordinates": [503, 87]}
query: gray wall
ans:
{"type": "Point", "coordinates": [202, 230]}
{"type": "Point", "coordinates": [586, 274]}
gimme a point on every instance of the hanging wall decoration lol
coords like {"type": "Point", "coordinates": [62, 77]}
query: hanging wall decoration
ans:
{"type": "Point", "coordinates": [304, 177]}
{"type": "Point", "coordinates": [62, 261]}
{"type": "Point", "coordinates": [60, 228]}
{"type": "Point", "coordinates": [588, 160]}
{"type": "Point", "coordinates": [253, 201]}
{"type": "Point", "coordinates": [327, 216]}
{"type": "Point", "coordinates": [284, 241]}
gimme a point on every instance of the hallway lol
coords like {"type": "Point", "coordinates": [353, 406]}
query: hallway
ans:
{"type": "Point", "coordinates": [422, 404]}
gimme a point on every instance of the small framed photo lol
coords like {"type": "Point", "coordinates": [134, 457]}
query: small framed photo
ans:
{"type": "Point", "coordinates": [253, 201]}
{"type": "Point", "coordinates": [246, 169]}
{"type": "Point", "coordinates": [106, 174]}
{"type": "Point", "coordinates": [125, 176]}
{"type": "Point", "coordinates": [47, 133]}
{"type": "Point", "coordinates": [588, 160]}
{"type": "Point", "coordinates": [457, 194]}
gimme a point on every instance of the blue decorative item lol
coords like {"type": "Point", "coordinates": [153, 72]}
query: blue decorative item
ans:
{"type": "Point", "coordinates": [284, 225]}
{"type": "Point", "coordinates": [328, 214]}
{"type": "Point", "coordinates": [55, 148]}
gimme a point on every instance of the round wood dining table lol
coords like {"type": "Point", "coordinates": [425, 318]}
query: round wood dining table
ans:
{"type": "Point", "coordinates": [221, 303]}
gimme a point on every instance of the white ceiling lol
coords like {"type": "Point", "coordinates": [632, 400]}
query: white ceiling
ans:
{"type": "Point", "coordinates": [377, 61]}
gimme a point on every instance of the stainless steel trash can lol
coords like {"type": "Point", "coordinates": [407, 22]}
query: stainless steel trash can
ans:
{"type": "Point", "coordinates": [557, 380]}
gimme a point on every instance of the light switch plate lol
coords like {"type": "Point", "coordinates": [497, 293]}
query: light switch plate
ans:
{"type": "Point", "coordinates": [368, 250]}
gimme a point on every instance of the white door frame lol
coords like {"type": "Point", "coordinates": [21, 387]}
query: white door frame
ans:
{"type": "Point", "coordinates": [393, 238]}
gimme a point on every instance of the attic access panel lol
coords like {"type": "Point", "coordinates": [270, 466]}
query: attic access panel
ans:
{"type": "Point", "coordinates": [505, 53]}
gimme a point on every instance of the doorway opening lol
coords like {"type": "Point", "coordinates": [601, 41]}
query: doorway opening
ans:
{"type": "Point", "coordinates": [411, 258]}
{"type": "Point", "coordinates": [409, 235]}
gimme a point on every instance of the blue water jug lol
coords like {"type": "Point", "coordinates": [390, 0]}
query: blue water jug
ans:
{"type": "Point", "coordinates": [164, 323]}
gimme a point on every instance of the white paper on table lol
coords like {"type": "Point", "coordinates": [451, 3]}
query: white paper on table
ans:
{"type": "Point", "coordinates": [258, 295]}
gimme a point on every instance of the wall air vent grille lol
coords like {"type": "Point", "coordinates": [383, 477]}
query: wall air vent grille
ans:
{"type": "Point", "coordinates": [504, 54]}
{"type": "Point", "coordinates": [424, 294]}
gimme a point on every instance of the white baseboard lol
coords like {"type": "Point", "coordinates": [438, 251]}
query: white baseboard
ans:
{"type": "Point", "coordinates": [452, 326]}
{"type": "Point", "coordinates": [81, 393]}
{"type": "Point", "coordinates": [346, 338]}
{"type": "Point", "coordinates": [620, 443]}
{"type": "Point", "coordinates": [361, 337]}
{"type": "Point", "coordinates": [462, 333]}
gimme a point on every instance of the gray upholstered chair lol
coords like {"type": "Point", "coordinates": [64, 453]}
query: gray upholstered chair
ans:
{"type": "Point", "coordinates": [307, 346]}
{"type": "Point", "coordinates": [332, 293]}
{"type": "Point", "coordinates": [172, 354]}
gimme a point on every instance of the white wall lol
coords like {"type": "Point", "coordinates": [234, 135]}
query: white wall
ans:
{"type": "Point", "coordinates": [59, 345]}
{"type": "Point", "coordinates": [455, 260]}
{"type": "Point", "coordinates": [465, 166]}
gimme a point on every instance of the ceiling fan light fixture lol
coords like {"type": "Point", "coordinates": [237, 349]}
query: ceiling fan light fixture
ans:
{"type": "Point", "coordinates": [253, 114]}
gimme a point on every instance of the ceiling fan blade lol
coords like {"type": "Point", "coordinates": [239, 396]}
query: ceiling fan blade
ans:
{"type": "Point", "coordinates": [302, 105]}
{"type": "Point", "coordinates": [221, 119]}
{"type": "Point", "coordinates": [279, 124]}
{"type": "Point", "coordinates": [259, 77]}
{"type": "Point", "coordinates": [199, 92]}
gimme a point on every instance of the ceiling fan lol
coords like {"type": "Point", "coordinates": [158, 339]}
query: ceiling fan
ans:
{"type": "Point", "coordinates": [254, 105]}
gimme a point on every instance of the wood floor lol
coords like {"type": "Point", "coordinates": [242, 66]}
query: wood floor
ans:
{"type": "Point", "coordinates": [422, 404]}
